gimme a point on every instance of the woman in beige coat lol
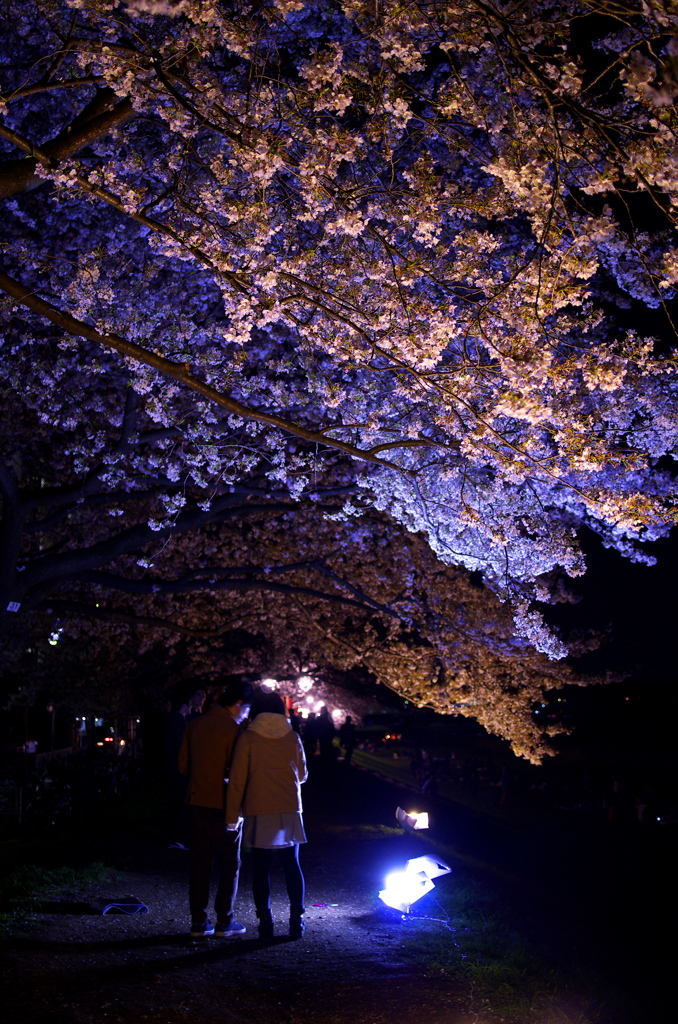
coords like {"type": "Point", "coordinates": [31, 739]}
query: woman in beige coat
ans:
{"type": "Point", "coordinates": [265, 789]}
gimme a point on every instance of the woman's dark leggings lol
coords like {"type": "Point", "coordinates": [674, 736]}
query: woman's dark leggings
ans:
{"type": "Point", "coordinates": [262, 861]}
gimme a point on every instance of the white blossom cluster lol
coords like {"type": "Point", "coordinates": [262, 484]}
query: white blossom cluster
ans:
{"type": "Point", "coordinates": [425, 236]}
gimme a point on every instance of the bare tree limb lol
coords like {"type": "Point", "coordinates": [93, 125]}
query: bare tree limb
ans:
{"type": "Point", "coordinates": [66, 83]}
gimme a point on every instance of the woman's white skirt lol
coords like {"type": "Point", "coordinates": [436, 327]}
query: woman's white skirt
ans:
{"type": "Point", "coordinates": [273, 831]}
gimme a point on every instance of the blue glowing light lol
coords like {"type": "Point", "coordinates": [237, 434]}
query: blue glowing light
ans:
{"type": "Point", "coordinates": [405, 887]}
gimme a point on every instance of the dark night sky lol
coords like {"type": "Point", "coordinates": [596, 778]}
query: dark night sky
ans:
{"type": "Point", "coordinates": [635, 605]}
{"type": "Point", "coordinates": [636, 602]}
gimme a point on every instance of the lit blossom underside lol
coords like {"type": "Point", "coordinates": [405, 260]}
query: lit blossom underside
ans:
{"type": "Point", "coordinates": [407, 239]}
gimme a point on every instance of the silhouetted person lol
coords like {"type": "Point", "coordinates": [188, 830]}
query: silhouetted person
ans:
{"type": "Point", "coordinates": [347, 738]}
{"type": "Point", "coordinates": [429, 786]}
{"type": "Point", "coordinates": [310, 736]}
{"type": "Point", "coordinates": [205, 757]}
{"type": "Point", "coordinates": [325, 731]}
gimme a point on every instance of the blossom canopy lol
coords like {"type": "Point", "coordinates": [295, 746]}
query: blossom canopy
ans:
{"type": "Point", "coordinates": [404, 268]}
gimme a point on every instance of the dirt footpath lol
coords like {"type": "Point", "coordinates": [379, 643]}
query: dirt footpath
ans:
{"type": "Point", "coordinates": [349, 967]}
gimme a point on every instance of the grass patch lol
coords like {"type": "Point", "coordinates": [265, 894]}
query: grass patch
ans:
{"type": "Point", "coordinates": [473, 940]}
{"type": "Point", "coordinates": [20, 890]}
{"type": "Point", "coordinates": [396, 768]}
{"type": "Point", "coordinates": [483, 800]}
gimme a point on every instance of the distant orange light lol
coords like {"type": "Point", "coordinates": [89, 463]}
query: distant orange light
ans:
{"type": "Point", "coordinates": [412, 819]}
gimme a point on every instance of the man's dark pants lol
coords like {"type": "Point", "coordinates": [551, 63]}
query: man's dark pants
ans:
{"type": "Point", "coordinates": [212, 844]}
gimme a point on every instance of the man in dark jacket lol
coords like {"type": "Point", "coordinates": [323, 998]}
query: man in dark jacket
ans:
{"type": "Point", "coordinates": [205, 757]}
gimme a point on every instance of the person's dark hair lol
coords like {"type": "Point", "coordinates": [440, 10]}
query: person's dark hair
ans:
{"type": "Point", "coordinates": [180, 695]}
{"type": "Point", "coordinates": [264, 701]}
{"type": "Point", "coordinates": [236, 690]}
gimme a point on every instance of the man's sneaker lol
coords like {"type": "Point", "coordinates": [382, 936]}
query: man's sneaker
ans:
{"type": "Point", "coordinates": [201, 931]}
{"type": "Point", "coordinates": [225, 931]}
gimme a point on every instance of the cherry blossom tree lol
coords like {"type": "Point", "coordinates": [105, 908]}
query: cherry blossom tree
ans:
{"type": "Point", "coordinates": [285, 592]}
{"type": "Point", "coordinates": [399, 263]}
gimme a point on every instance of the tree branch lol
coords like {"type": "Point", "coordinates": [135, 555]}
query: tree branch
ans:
{"type": "Point", "coordinates": [376, 605]}
{"type": "Point", "coordinates": [187, 586]}
{"type": "Point", "coordinates": [177, 371]}
{"type": "Point", "coordinates": [91, 123]}
{"type": "Point", "coordinates": [66, 83]}
{"type": "Point", "coordinates": [62, 608]}
{"type": "Point", "coordinates": [109, 197]}
{"type": "Point", "coordinates": [129, 419]}
{"type": "Point", "coordinates": [212, 571]}
{"type": "Point", "coordinates": [49, 571]}
{"type": "Point", "coordinates": [51, 497]}
{"type": "Point", "coordinates": [93, 501]}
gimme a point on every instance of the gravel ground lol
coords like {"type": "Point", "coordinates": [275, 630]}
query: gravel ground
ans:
{"type": "Point", "coordinates": [350, 965]}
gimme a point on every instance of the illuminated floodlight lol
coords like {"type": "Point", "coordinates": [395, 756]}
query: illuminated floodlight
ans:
{"type": "Point", "coordinates": [429, 866]}
{"type": "Point", "coordinates": [415, 820]}
{"type": "Point", "coordinates": [310, 700]}
{"type": "Point", "coordinates": [305, 683]}
{"type": "Point", "coordinates": [405, 887]}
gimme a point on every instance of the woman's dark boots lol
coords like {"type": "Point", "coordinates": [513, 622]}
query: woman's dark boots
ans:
{"type": "Point", "coordinates": [265, 926]}
{"type": "Point", "coordinates": [297, 922]}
